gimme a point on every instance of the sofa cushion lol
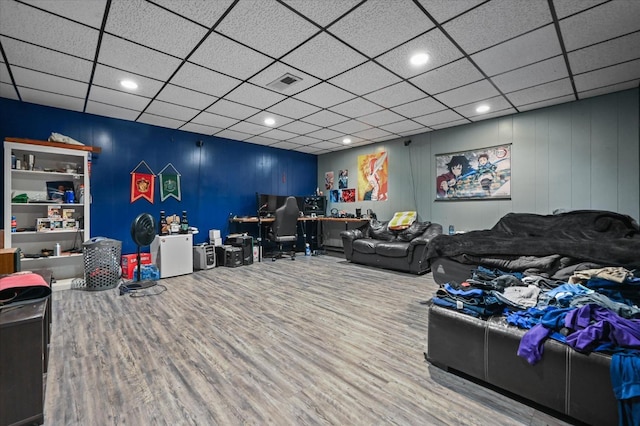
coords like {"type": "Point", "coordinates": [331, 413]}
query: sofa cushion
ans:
{"type": "Point", "coordinates": [415, 230]}
{"type": "Point", "coordinates": [392, 249]}
{"type": "Point", "coordinates": [365, 245]}
{"type": "Point", "coordinates": [380, 231]}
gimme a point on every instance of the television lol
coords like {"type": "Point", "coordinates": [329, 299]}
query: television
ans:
{"type": "Point", "coordinates": [315, 204]}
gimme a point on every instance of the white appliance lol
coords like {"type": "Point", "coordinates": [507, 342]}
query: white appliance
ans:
{"type": "Point", "coordinates": [173, 254]}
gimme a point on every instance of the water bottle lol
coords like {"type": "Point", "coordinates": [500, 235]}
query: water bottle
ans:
{"type": "Point", "coordinates": [451, 230]}
{"type": "Point", "coordinates": [57, 251]}
{"type": "Point", "coordinates": [14, 224]}
{"type": "Point", "coordinates": [307, 250]}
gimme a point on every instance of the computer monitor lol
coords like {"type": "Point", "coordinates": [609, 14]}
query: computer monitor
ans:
{"type": "Point", "coordinates": [315, 204]}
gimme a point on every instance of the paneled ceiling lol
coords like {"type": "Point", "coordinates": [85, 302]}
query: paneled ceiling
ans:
{"type": "Point", "coordinates": [207, 66]}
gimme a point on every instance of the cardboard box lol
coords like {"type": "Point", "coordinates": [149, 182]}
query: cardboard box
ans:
{"type": "Point", "coordinates": [129, 262]}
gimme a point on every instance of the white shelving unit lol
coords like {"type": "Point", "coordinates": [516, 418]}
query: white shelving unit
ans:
{"type": "Point", "coordinates": [51, 164]}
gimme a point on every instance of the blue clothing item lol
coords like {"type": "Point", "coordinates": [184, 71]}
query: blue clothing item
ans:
{"type": "Point", "coordinates": [564, 293]}
{"type": "Point", "coordinates": [452, 305]}
{"type": "Point", "coordinates": [529, 317]}
{"type": "Point", "coordinates": [474, 292]}
{"type": "Point", "coordinates": [625, 378]}
{"type": "Point", "coordinates": [593, 325]}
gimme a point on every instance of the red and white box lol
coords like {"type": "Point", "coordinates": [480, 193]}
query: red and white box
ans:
{"type": "Point", "coordinates": [129, 262]}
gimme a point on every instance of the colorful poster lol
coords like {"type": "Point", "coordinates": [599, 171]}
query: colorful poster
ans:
{"type": "Point", "coordinates": [482, 174]}
{"type": "Point", "coordinates": [373, 174]}
{"type": "Point", "coordinates": [142, 183]}
{"type": "Point", "coordinates": [328, 180]}
{"type": "Point", "coordinates": [343, 179]}
{"type": "Point", "coordinates": [347, 195]}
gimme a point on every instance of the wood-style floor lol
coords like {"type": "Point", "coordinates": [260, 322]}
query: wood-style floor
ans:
{"type": "Point", "coordinates": [315, 341]}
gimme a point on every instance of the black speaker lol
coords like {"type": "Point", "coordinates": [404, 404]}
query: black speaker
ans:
{"type": "Point", "coordinates": [244, 242]}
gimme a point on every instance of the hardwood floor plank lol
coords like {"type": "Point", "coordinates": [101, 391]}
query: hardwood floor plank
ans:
{"type": "Point", "coordinates": [315, 341]}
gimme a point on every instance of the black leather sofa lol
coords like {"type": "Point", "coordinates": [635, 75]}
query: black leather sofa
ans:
{"type": "Point", "coordinates": [566, 381]}
{"type": "Point", "coordinates": [375, 244]}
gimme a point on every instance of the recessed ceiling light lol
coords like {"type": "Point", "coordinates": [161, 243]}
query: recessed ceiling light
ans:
{"type": "Point", "coordinates": [269, 121]}
{"type": "Point", "coordinates": [129, 84]}
{"type": "Point", "coordinates": [346, 141]}
{"type": "Point", "coordinates": [483, 108]}
{"type": "Point", "coordinates": [419, 59]}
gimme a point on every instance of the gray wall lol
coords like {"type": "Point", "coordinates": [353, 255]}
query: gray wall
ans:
{"type": "Point", "coordinates": [578, 155]}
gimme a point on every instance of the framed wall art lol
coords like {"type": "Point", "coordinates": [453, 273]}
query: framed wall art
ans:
{"type": "Point", "coordinates": [481, 174]}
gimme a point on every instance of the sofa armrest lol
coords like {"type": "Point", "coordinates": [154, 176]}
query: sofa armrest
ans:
{"type": "Point", "coordinates": [348, 237]}
{"type": "Point", "coordinates": [431, 231]}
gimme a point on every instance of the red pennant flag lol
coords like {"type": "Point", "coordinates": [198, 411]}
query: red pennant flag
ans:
{"type": "Point", "coordinates": [142, 185]}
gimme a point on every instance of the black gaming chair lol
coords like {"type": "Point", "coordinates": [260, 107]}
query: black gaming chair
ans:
{"type": "Point", "coordinates": [285, 227]}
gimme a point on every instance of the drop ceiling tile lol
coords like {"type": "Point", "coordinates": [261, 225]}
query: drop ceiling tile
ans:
{"type": "Point", "coordinates": [110, 78]}
{"type": "Point", "coordinates": [609, 89]}
{"type": "Point", "coordinates": [326, 145]}
{"type": "Point", "coordinates": [233, 135]}
{"type": "Point", "coordinates": [323, 57]}
{"type": "Point", "coordinates": [41, 81]}
{"type": "Point", "coordinates": [4, 74]}
{"type": "Point", "coordinates": [51, 99]}
{"type": "Point", "coordinates": [371, 30]}
{"type": "Point", "coordinates": [438, 118]}
{"type": "Point", "coordinates": [540, 93]}
{"type": "Point", "coordinates": [214, 120]}
{"type": "Point", "coordinates": [266, 26]}
{"type": "Point", "coordinates": [420, 107]}
{"type": "Point", "coordinates": [402, 126]}
{"type": "Point", "coordinates": [443, 10]}
{"type": "Point", "coordinates": [322, 12]}
{"type": "Point", "coordinates": [365, 78]}
{"type": "Point", "coordinates": [166, 109]}
{"type": "Point", "coordinates": [532, 75]}
{"type": "Point", "coordinates": [256, 96]}
{"type": "Point", "coordinates": [397, 94]}
{"type": "Point", "coordinates": [118, 98]}
{"type": "Point", "coordinates": [261, 116]}
{"type": "Point", "coordinates": [299, 127]}
{"type": "Point", "coordinates": [156, 120]}
{"type": "Point", "coordinates": [449, 124]}
{"type": "Point", "coordinates": [351, 126]}
{"type": "Point", "coordinates": [185, 97]}
{"type": "Point", "coordinates": [607, 76]}
{"type": "Point", "coordinates": [276, 71]}
{"type": "Point", "coordinates": [8, 91]}
{"type": "Point", "coordinates": [324, 95]}
{"type": "Point", "coordinates": [565, 8]}
{"type": "Point", "coordinates": [35, 26]}
{"type": "Point", "coordinates": [518, 52]}
{"type": "Point", "coordinates": [340, 141]}
{"type": "Point", "coordinates": [546, 103]}
{"type": "Point", "coordinates": [381, 118]}
{"type": "Point", "coordinates": [497, 103]}
{"type": "Point", "coordinates": [495, 21]}
{"type": "Point", "coordinates": [106, 110]}
{"type": "Point", "coordinates": [605, 54]}
{"type": "Point", "coordinates": [90, 13]}
{"type": "Point", "coordinates": [603, 22]}
{"type": "Point", "coordinates": [304, 140]}
{"type": "Point", "coordinates": [205, 13]}
{"type": "Point", "coordinates": [203, 80]}
{"type": "Point", "coordinates": [494, 114]}
{"type": "Point", "coordinates": [40, 59]}
{"type": "Point", "coordinates": [440, 50]}
{"type": "Point", "coordinates": [152, 26]}
{"type": "Point", "coordinates": [385, 138]}
{"type": "Point", "coordinates": [324, 134]}
{"type": "Point", "coordinates": [447, 77]}
{"type": "Point", "coordinates": [372, 133]}
{"type": "Point", "coordinates": [415, 132]}
{"type": "Point", "coordinates": [228, 57]}
{"type": "Point", "coordinates": [293, 108]}
{"type": "Point", "coordinates": [200, 128]}
{"type": "Point", "coordinates": [284, 145]}
{"type": "Point", "coordinates": [278, 134]}
{"type": "Point", "coordinates": [324, 118]}
{"type": "Point", "coordinates": [356, 107]}
{"type": "Point", "coordinates": [122, 54]}
{"type": "Point", "coordinates": [250, 128]}
{"type": "Point", "coordinates": [232, 109]}
{"type": "Point", "coordinates": [261, 140]}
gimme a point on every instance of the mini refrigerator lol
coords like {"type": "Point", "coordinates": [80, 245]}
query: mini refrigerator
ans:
{"type": "Point", "coordinates": [173, 254]}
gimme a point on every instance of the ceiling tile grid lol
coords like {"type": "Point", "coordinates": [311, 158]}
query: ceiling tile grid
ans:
{"type": "Point", "coordinates": [342, 68]}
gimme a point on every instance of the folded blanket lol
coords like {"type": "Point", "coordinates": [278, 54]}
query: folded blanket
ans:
{"type": "Point", "coordinates": [22, 287]}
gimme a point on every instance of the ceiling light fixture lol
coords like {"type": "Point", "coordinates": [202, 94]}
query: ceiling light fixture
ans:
{"type": "Point", "coordinates": [419, 59]}
{"type": "Point", "coordinates": [346, 141]}
{"type": "Point", "coordinates": [129, 84]}
{"type": "Point", "coordinates": [269, 121]}
{"type": "Point", "coordinates": [483, 108]}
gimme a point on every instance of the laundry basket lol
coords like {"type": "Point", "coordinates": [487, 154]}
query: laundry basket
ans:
{"type": "Point", "coordinates": [101, 263]}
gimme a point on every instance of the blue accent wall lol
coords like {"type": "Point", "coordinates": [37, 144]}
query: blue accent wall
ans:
{"type": "Point", "coordinates": [218, 179]}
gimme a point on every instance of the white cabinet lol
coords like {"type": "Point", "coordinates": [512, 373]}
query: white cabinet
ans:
{"type": "Point", "coordinates": [173, 254]}
{"type": "Point", "coordinates": [38, 188]}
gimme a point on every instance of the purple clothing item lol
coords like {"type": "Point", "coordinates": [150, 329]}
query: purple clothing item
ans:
{"type": "Point", "coordinates": [532, 343]}
{"type": "Point", "coordinates": [593, 325]}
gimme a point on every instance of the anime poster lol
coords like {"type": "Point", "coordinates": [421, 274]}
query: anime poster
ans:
{"type": "Point", "coordinates": [347, 195]}
{"type": "Point", "coordinates": [483, 174]}
{"type": "Point", "coordinates": [328, 180]}
{"type": "Point", "coordinates": [373, 173]}
{"type": "Point", "coordinates": [343, 179]}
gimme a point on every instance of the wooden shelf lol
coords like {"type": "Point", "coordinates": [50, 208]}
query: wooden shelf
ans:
{"type": "Point", "coordinates": [93, 149]}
